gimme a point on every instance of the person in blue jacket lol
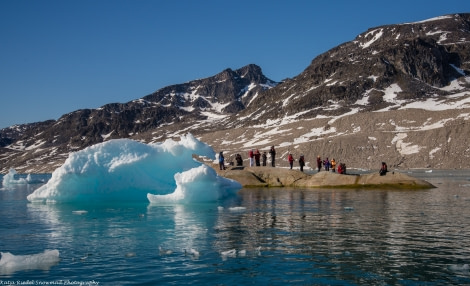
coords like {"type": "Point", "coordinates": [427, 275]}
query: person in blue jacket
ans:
{"type": "Point", "coordinates": [221, 161]}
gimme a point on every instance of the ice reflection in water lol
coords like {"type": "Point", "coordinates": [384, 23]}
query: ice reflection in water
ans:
{"type": "Point", "coordinates": [263, 236]}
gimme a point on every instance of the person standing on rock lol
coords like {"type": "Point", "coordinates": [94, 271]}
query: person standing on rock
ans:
{"type": "Point", "coordinates": [239, 160]}
{"type": "Point", "coordinates": [383, 170]}
{"type": "Point", "coordinates": [318, 163]}
{"type": "Point", "coordinates": [301, 163]}
{"type": "Point", "coordinates": [326, 163]}
{"type": "Point", "coordinates": [272, 152]}
{"type": "Point", "coordinates": [221, 161]}
{"type": "Point", "coordinates": [257, 157]}
{"type": "Point", "coordinates": [251, 155]}
{"type": "Point", "coordinates": [265, 158]}
{"type": "Point", "coordinates": [290, 158]}
{"type": "Point", "coordinates": [340, 168]}
{"type": "Point", "coordinates": [333, 165]}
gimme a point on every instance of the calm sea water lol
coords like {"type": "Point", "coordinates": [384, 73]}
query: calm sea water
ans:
{"type": "Point", "coordinates": [260, 237]}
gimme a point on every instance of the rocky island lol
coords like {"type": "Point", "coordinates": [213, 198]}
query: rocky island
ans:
{"type": "Point", "coordinates": [282, 177]}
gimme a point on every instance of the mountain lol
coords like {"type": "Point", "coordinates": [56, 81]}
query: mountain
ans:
{"type": "Point", "coordinates": [43, 146]}
{"type": "Point", "coordinates": [417, 60]}
{"type": "Point", "coordinates": [396, 93]}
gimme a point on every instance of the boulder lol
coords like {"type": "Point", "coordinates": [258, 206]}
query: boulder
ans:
{"type": "Point", "coordinates": [281, 177]}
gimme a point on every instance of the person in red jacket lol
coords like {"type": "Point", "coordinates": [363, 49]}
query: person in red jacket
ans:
{"type": "Point", "coordinates": [340, 169]}
{"type": "Point", "coordinates": [251, 154]}
{"type": "Point", "coordinates": [291, 160]}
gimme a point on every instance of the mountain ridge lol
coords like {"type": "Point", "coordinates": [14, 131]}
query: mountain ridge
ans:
{"type": "Point", "coordinates": [396, 93]}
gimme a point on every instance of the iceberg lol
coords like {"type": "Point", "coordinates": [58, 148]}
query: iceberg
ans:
{"type": "Point", "coordinates": [127, 170]}
{"type": "Point", "coordinates": [10, 263]}
{"type": "Point", "coordinates": [201, 184]}
{"type": "Point", "coordinates": [9, 179]}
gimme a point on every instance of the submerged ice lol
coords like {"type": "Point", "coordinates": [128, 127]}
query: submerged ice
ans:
{"type": "Point", "coordinates": [127, 170]}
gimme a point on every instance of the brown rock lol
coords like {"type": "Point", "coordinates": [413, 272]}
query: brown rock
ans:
{"type": "Point", "coordinates": [281, 177]}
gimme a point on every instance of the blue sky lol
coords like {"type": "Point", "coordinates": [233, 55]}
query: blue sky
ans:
{"type": "Point", "coordinates": [60, 56]}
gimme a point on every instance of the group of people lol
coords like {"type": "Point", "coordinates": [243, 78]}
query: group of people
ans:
{"type": "Point", "coordinates": [256, 158]}
{"type": "Point", "coordinates": [290, 158]}
{"type": "Point", "coordinates": [327, 164]}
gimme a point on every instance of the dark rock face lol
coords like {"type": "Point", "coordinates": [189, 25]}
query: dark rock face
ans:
{"type": "Point", "coordinates": [420, 57]}
{"type": "Point", "coordinates": [231, 89]}
{"type": "Point", "coordinates": [177, 105]}
{"type": "Point", "coordinates": [382, 69]}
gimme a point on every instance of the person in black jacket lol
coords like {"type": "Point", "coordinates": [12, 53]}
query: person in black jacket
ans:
{"type": "Point", "coordinates": [239, 160]}
{"type": "Point", "coordinates": [265, 158]}
{"type": "Point", "coordinates": [383, 170]}
{"type": "Point", "coordinates": [272, 152]}
{"type": "Point", "coordinates": [301, 163]}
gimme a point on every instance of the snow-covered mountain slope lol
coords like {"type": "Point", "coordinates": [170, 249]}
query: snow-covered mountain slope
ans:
{"type": "Point", "coordinates": [396, 93]}
{"type": "Point", "coordinates": [413, 61]}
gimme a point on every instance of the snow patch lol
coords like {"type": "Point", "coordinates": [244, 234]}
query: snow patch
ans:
{"type": "Point", "coordinates": [377, 34]}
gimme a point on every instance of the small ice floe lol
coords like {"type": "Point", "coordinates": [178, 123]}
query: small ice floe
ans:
{"type": "Point", "coordinates": [30, 180]}
{"type": "Point", "coordinates": [232, 253]}
{"type": "Point", "coordinates": [10, 180]}
{"type": "Point", "coordinates": [237, 209]}
{"type": "Point", "coordinates": [10, 263]}
{"type": "Point", "coordinates": [229, 253]}
{"type": "Point", "coordinates": [130, 254]}
{"type": "Point", "coordinates": [460, 268]}
{"type": "Point", "coordinates": [164, 251]}
{"type": "Point", "coordinates": [82, 258]}
{"type": "Point", "coordinates": [80, 212]}
{"type": "Point", "coordinates": [193, 253]}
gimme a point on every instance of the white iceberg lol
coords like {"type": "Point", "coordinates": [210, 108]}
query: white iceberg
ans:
{"type": "Point", "coordinates": [127, 170]}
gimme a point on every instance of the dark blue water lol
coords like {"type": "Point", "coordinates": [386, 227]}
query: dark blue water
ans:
{"type": "Point", "coordinates": [262, 236]}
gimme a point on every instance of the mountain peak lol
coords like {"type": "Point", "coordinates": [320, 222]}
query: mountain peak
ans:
{"type": "Point", "coordinates": [418, 59]}
{"type": "Point", "coordinates": [397, 93]}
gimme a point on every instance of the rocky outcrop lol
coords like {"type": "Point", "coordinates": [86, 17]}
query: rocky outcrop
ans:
{"type": "Point", "coordinates": [421, 58]}
{"type": "Point", "coordinates": [281, 177]}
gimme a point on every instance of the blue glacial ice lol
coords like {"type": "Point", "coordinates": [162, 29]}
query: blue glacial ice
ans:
{"type": "Point", "coordinates": [127, 170]}
{"type": "Point", "coordinates": [201, 184]}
